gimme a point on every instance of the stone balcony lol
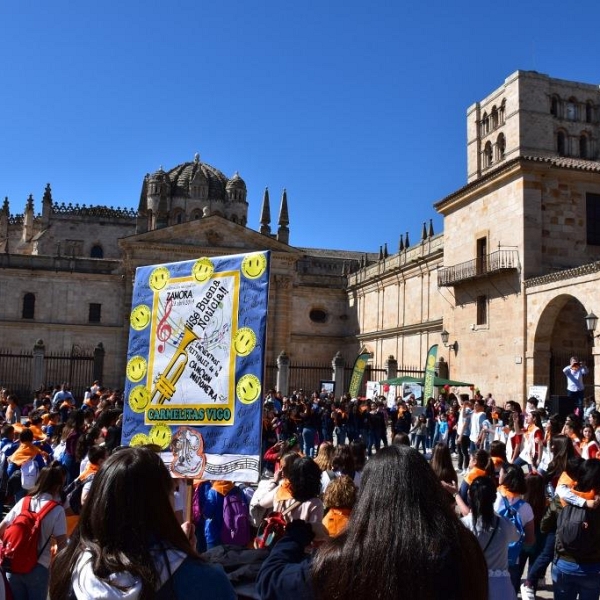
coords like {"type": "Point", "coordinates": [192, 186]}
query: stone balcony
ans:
{"type": "Point", "coordinates": [496, 262]}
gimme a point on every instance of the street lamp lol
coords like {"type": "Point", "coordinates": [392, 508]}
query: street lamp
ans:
{"type": "Point", "coordinates": [445, 336]}
{"type": "Point", "coordinates": [591, 320]}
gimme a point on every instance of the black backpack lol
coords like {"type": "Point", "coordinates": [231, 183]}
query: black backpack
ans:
{"type": "Point", "coordinates": [576, 532]}
{"type": "Point", "coordinates": [73, 493]}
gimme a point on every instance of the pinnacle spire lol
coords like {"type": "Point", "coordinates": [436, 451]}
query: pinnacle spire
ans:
{"type": "Point", "coordinates": [265, 214]}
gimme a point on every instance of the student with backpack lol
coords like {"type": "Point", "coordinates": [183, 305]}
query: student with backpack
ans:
{"type": "Point", "coordinates": [576, 567]}
{"type": "Point", "coordinates": [510, 505]}
{"type": "Point", "coordinates": [26, 532]}
{"type": "Point", "coordinates": [225, 509]}
{"type": "Point", "coordinates": [24, 465]}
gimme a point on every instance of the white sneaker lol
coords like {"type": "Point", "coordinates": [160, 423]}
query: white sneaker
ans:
{"type": "Point", "coordinates": [527, 593]}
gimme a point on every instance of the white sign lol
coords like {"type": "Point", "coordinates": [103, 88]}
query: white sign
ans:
{"type": "Point", "coordinates": [373, 389]}
{"type": "Point", "coordinates": [538, 391]}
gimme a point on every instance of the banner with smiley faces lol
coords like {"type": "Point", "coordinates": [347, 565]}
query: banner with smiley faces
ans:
{"type": "Point", "coordinates": [195, 364]}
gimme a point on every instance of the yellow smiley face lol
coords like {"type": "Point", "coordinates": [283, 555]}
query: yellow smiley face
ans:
{"type": "Point", "coordinates": [136, 368]}
{"type": "Point", "coordinates": [139, 398]}
{"type": "Point", "coordinates": [244, 341]}
{"type": "Point", "coordinates": [203, 269]}
{"type": "Point", "coordinates": [248, 389]}
{"type": "Point", "coordinates": [254, 265]}
{"type": "Point", "coordinates": [140, 317]}
{"type": "Point", "coordinates": [159, 278]}
{"type": "Point", "coordinates": [160, 434]}
{"type": "Point", "coordinates": [139, 439]}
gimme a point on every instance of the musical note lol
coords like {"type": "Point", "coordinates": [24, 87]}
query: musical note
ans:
{"type": "Point", "coordinates": [164, 330]}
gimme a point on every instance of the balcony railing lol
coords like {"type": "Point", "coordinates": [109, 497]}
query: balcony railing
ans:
{"type": "Point", "coordinates": [501, 260]}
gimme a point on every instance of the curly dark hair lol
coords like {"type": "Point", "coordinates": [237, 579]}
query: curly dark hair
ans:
{"type": "Point", "coordinates": [305, 479]}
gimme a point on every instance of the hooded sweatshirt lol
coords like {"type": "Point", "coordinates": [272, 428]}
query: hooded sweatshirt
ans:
{"type": "Point", "coordinates": [208, 581]}
{"type": "Point", "coordinates": [212, 509]}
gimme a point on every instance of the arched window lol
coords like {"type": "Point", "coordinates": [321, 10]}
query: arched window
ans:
{"type": "Point", "coordinates": [571, 109]}
{"type": "Point", "coordinates": [487, 155]}
{"type": "Point", "coordinates": [554, 106]}
{"type": "Point", "coordinates": [500, 147]}
{"type": "Point", "coordinates": [589, 112]}
{"type": "Point", "coordinates": [494, 118]}
{"type": "Point", "coordinates": [502, 112]}
{"type": "Point", "coordinates": [197, 214]}
{"type": "Point", "coordinates": [583, 146]}
{"type": "Point", "coordinates": [485, 124]}
{"type": "Point", "coordinates": [561, 143]}
{"type": "Point", "coordinates": [28, 306]}
{"type": "Point", "coordinates": [96, 251]}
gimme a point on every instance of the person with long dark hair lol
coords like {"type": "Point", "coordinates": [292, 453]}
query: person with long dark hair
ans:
{"type": "Point", "coordinates": [494, 533]}
{"type": "Point", "coordinates": [403, 541]}
{"type": "Point", "coordinates": [130, 542]}
{"type": "Point", "coordinates": [441, 463]}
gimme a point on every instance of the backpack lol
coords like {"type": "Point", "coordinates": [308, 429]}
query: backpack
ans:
{"type": "Point", "coordinates": [576, 531]}
{"type": "Point", "coordinates": [19, 553]}
{"type": "Point", "coordinates": [236, 518]}
{"type": "Point", "coordinates": [272, 528]}
{"type": "Point", "coordinates": [73, 493]}
{"type": "Point", "coordinates": [511, 513]}
{"type": "Point", "coordinates": [29, 474]}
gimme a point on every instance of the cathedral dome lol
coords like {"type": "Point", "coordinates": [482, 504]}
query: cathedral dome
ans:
{"type": "Point", "coordinates": [236, 183]}
{"type": "Point", "coordinates": [183, 175]}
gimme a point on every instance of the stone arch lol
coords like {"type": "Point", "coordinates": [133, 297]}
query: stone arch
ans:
{"type": "Point", "coordinates": [560, 333]}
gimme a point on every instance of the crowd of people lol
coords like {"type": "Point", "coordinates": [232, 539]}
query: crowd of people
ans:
{"type": "Point", "coordinates": [372, 502]}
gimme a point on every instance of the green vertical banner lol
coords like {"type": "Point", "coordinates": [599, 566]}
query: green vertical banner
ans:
{"type": "Point", "coordinates": [429, 372]}
{"type": "Point", "coordinates": [358, 372]}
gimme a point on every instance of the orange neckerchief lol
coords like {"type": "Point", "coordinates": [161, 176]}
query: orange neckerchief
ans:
{"type": "Point", "coordinates": [284, 491]}
{"type": "Point", "coordinates": [38, 434]}
{"type": "Point", "coordinates": [564, 479]}
{"type": "Point", "coordinates": [473, 474]}
{"type": "Point", "coordinates": [223, 487]}
{"type": "Point", "coordinates": [504, 491]}
{"type": "Point", "coordinates": [498, 462]}
{"type": "Point", "coordinates": [89, 470]}
{"type": "Point", "coordinates": [26, 451]}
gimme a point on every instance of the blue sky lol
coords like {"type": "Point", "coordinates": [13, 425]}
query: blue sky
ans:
{"type": "Point", "coordinates": [358, 109]}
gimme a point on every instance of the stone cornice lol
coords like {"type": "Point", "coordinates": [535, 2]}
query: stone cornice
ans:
{"type": "Point", "coordinates": [434, 326]}
{"type": "Point", "coordinates": [563, 275]}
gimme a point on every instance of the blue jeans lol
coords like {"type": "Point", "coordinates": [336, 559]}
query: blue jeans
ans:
{"type": "Point", "coordinates": [32, 585]}
{"type": "Point", "coordinates": [544, 558]}
{"type": "Point", "coordinates": [308, 440]}
{"type": "Point", "coordinates": [572, 581]}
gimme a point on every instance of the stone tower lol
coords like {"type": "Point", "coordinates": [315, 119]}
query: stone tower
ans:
{"type": "Point", "coordinates": [534, 116]}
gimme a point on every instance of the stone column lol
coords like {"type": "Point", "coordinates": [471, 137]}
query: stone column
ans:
{"type": "Point", "coordinates": [391, 366]}
{"type": "Point", "coordinates": [338, 363]}
{"type": "Point", "coordinates": [283, 373]}
{"type": "Point", "coordinates": [37, 372]}
{"type": "Point", "coordinates": [99, 354]}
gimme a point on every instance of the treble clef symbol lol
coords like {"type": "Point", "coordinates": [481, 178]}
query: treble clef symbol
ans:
{"type": "Point", "coordinates": [163, 331]}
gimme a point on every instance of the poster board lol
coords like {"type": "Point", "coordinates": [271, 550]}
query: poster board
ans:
{"type": "Point", "coordinates": [195, 364]}
{"type": "Point", "coordinates": [373, 389]}
{"type": "Point", "coordinates": [538, 391]}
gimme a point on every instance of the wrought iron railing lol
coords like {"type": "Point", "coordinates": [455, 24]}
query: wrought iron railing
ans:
{"type": "Point", "coordinates": [501, 260]}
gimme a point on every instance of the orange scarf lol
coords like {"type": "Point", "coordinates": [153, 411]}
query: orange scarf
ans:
{"type": "Point", "coordinates": [283, 492]}
{"type": "Point", "coordinates": [89, 470]}
{"type": "Point", "coordinates": [38, 434]}
{"type": "Point", "coordinates": [473, 474]}
{"type": "Point", "coordinates": [504, 491]}
{"type": "Point", "coordinates": [26, 451]}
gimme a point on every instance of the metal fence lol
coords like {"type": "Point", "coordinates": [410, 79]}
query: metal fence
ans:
{"type": "Point", "coordinates": [74, 367]}
{"type": "Point", "coordinates": [15, 370]}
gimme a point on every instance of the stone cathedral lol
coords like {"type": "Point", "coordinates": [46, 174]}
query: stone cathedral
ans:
{"type": "Point", "coordinates": [510, 279]}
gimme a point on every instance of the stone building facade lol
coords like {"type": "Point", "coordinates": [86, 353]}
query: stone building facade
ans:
{"type": "Point", "coordinates": [511, 277]}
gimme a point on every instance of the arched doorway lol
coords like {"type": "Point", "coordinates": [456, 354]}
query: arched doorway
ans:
{"type": "Point", "coordinates": [560, 334]}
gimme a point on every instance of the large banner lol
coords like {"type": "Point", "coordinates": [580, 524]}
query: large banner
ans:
{"type": "Point", "coordinates": [430, 372]}
{"type": "Point", "coordinates": [358, 373]}
{"type": "Point", "coordinates": [195, 364]}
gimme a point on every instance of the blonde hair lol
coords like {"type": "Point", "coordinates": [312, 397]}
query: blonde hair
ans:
{"type": "Point", "coordinates": [325, 456]}
{"type": "Point", "coordinates": [340, 493]}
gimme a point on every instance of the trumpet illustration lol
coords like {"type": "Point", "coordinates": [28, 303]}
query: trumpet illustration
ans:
{"type": "Point", "coordinates": [165, 386]}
